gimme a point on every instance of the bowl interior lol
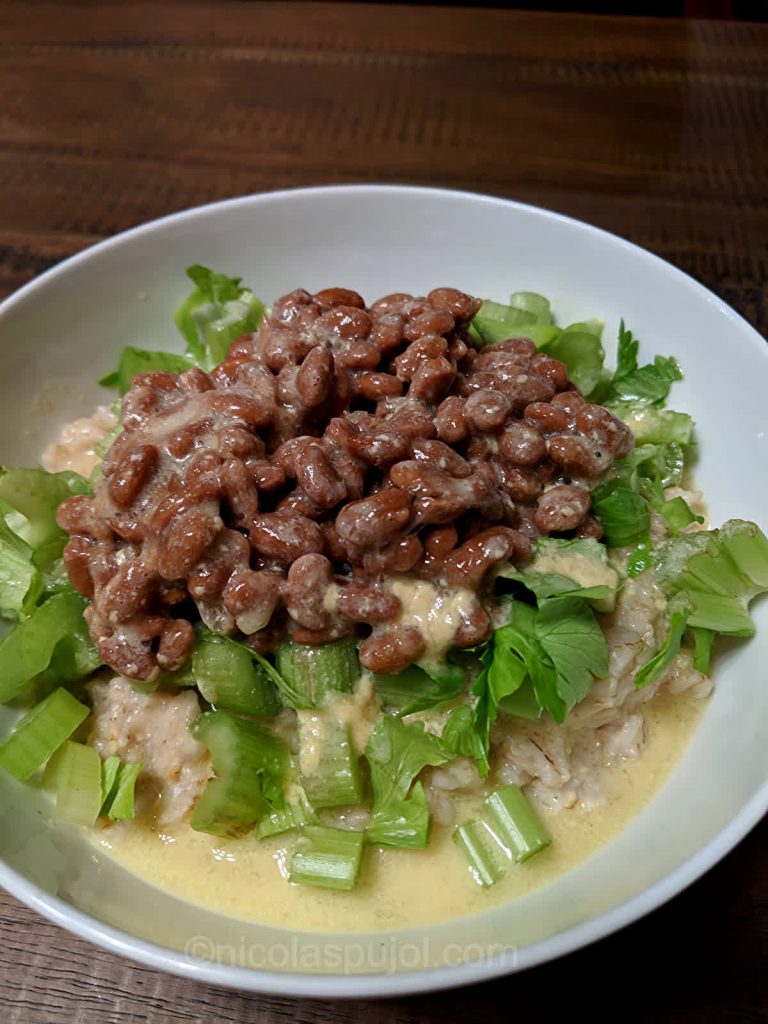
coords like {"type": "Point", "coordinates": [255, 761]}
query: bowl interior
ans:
{"type": "Point", "coordinates": [65, 330]}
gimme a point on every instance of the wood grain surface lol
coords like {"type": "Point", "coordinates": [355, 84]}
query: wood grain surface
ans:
{"type": "Point", "coordinates": [115, 113]}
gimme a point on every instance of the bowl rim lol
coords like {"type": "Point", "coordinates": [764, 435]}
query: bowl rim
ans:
{"type": "Point", "coordinates": [348, 986]}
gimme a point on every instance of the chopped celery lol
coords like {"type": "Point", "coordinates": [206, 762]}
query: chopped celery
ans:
{"type": "Point", "coordinates": [702, 647]}
{"type": "Point", "coordinates": [580, 348]}
{"type": "Point", "coordinates": [508, 830]}
{"type": "Point", "coordinates": [574, 568]}
{"type": "Point", "coordinates": [119, 802]}
{"type": "Point", "coordinates": [135, 361]}
{"type": "Point", "coordinates": [297, 813]}
{"type": "Point", "coordinates": [74, 775]}
{"type": "Point", "coordinates": [517, 824]}
{"type": "Point", "coordinates": [396, 753]}
{"type": "Point", "coordinates": [677, 514]}
{"type": "Point", "coordinates": [488, 861]}
{"type": "Point", "coordinates": [535, 306]}
{"type": "Point", "coordinates": [28, 648]}
{"type": "Point", "coordinates": [21, 582]}
{"type": "Point", "coordinates": [37, 495]}
{"type": "Point", "coordinates": [110, 766]}
{"type": "Point", "coordinates": [250, 765]}
{"type": "Point", "coordinates": [228, 678]}
{"type": "Point", "coordinates": [330, 770]}
{"type": "Point", "coordinates": [214, 314]}
{"type": "Point", "coordinates": [652, 425]}
{"type": "Point", "coordinates": [312, 673]}
{"type": "Point", "coordinates": [420, 686]}
{"type": "Point", "coordinates": [327, 857]}
{"type": "Point", "coordinates": [40, 733]}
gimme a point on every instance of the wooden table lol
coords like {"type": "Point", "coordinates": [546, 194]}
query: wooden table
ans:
{"type": "Point", "coordinates": [115, 113]}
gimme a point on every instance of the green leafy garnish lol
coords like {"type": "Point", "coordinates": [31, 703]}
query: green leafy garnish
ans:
{"type": "Point", "coordinates": [396, 753]}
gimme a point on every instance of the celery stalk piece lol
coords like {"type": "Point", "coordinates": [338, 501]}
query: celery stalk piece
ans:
{"type": "Point", "coordinates": [516, 822]}
{"type": "Point", "coordinates": [330, 769]}
{"type": "Point", "coordinates": [250, 765]}
{"type": "Point", "coordinates": [508, 830]}
{"type": "Point", "coordinates": [312, 673]}
{"type": "Point", "coordinates": [488, 860]}
{"type": "Point", "coordinates": [229, 680]}
{"type": "Point", "coordinates": [327, 857]}
{"type": "Point", "coordinates": [119, 804]}
{"type": "Point", "coordinates": [40, 733]}
{"type": "Point", "coordinates": [74, 775]}
{"type": "Point", "coordinates": [27, 649]}
{"type": "Point", "coordinates": [297, 813]}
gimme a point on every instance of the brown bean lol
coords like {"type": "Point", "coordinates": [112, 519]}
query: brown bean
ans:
{"type": "Point", "coordinates": [238, 406]}
{"type": "Point", "coordinates": [605, 429]}
{"type": "Point", "coordinates": [239, 490]}
{"type": "Point", "coordinates": [315, 376]}
{"type": "Point", "coordinates": [400, 555]}
{"type": "Point", "coordinates": [202, 478]}
{"type": "Point", "coordinates": [288, 306]}
{"type": "Point", "coordinates": [196, 381]}
{"type": "Point", "coordinates": [590, 528]}
{"type": "Point", "coordinates": [160, 380]}
{"type": "Point", "coordinates": [440, 456]}
{"type": "Point", "coordinates": [397, 302]}
{"type": "Point", "coordinates": [77, 557]}
{"type": "Point", "coordinates": [568, 402]}
{"type": "Point", "coordinates": [280, 345]}
{"type": "Point", "coordinates": [329, 297]}
{"type": "Point", "coordinates": [78, 515]}
{"type": "Point", "coordinates": [317, 476]}
{"type": "Point", "coordinates": [285, 536]}
{"type": "Point", "coordinates": [309, 579]}
{"type": "Point", "coordinates": [373, 521]}
{"type": "Point", "coordinates": [546, 418]}
{"type": "Point", "coordinates": [374, 386]}
{"type": "Point", "coordinates": [487, 409]}
{"type": "Point", "coordinates": [185, 542]}
{"type": "Point", "coordinates": [518, 346]}
{"type": "Point", "coordinates": [387, 332]}
{"type": "Point", "coordinates": [430, 347]}
{"type": "Point", "coordinates": [132, 473]}
{"type": "Point", "coordinates": [462, 306]}
{"type": "Point", "coordinates": [520, 483]}
{"type": "Point", "coordinates": [177, 641]}
{"type": "Point", "coordinates": [391, 648]}
{"type": "Point", "coordinates": [188, 437]}
{"type": "Point", "coordinates": [474, 627]}
{"type": "Point", "coordinates": [555, 371]}
{"type": "Point", "coordinates": [451, 423]}
{"type": "Point", "coordinates": [239, 442]}
{"type": "Point", "coordinates": [468, 564]}
{"type": "Point", "coordinates": [127, 592]}
{"type": "Point", "coordinates": [251, 598]}
{"type": "Point", "coordinates": [363, 603]}
{"type": "Point", "coordinates": [432, 321]}
{"type": "Point", "coordinates": [562, 508]}
{"type": "Point", "coordinates": [432, 379]}
{"type": "Point", "coordinates": [346, 322]}
{"type": "Point", "coordinates": [578, 456]}
{"type": "Point", "coordinates": [266, 475]}
{"type": "Point", "coordinates": [521, 444]}
{"type": "Point", "coordinates": [229, 552]}
{"type": "Point", "coordinates": [137, 406]}
{"type": "Point", "coordinates": [125, 655]}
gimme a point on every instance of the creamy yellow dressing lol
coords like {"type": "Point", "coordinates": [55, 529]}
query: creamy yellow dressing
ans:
{"type": "Point", "coordinates": [397, 888]}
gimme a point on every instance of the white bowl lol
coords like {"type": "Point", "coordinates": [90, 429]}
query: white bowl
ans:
{"type": "Point", "coordinates": [63, 330]}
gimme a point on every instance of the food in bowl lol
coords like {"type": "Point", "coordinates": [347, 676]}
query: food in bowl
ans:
{"type": "Point", "coordinates": [362, 576]}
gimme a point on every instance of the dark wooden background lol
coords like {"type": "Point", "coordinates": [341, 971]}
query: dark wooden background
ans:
{"type": "Point", "coordinates": [115, 113]}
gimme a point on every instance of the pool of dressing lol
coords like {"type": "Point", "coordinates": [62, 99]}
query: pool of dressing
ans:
{"type": "Point", "coordinates": [246, 878]}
